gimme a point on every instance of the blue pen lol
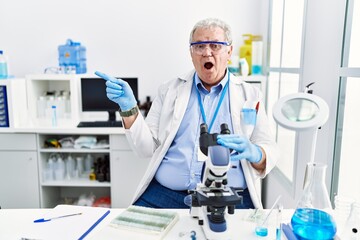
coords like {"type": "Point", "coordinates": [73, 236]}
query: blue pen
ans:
{"type": "Point", "coordinates": [49, 219]}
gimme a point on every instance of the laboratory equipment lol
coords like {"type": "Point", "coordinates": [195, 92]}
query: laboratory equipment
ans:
{"type": "Point", "coordinates": [246, 51]}
{"type": "Point", "coordinates": [49, 170]}
{"type": "Point", "coordinates": [261, 224]}
{"type": "Point", "coordinates": [72, 54]}
{"type": "Point", "coordinates": [244, 67]}
{"type": "Point", "coordinates": [41, 106]}
{"type": "Point", "coordinates": [53, 116]}
{"type": "Point", "coordinates": [257, 55]}
{"type": "Point", "coordinates": [302, 111]}
{"type": "Point", "coordinates": [70, 167]}
{"type": "Point", "coordinates": [3, 66]}
{"type": "Point", "coordinates": [279, 222]}
{"type": "Point", "coordinates": [59, 168]}
{"type": "Point", "coordinates": [4, 108]}
{"type": "Point", "coordinates": [234, 65]}
{"type": "Point", "coordinates": [212, 196]}
{"type": "Point", "coordinates": [145, 107]}
{"type": "Point", "coordinates": [79, 167]}
{"type": "Point", "coordinates": [89, 161]}
{"type": "Point", "coordinates": [313, 216]}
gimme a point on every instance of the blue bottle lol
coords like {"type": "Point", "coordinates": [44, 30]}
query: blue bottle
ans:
{"type": "Point", "coordinates": [73, 54]}
{"type": "Point", "coordinates": [3, 66]}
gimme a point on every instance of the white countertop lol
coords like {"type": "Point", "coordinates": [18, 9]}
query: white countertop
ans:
{"type": "Point", "coordinates": [17, 223]}
{"type": "Point", "coordinates": [66, 129]}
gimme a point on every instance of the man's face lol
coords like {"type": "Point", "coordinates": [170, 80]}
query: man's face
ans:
{"type": "Point", "coordinates": [210, 65]}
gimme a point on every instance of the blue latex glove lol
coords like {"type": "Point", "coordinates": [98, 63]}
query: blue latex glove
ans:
{"type": "Point", "coordinates": [119, 91]}
{"type": "Point", "coordinates": [242, 146]}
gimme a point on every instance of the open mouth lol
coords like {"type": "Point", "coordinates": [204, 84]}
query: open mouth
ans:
{"type": "Point", "coordinates": [208, 65]}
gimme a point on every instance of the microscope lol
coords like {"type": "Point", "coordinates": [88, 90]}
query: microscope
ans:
{"type": "Point", "coordinates": [212, 197]}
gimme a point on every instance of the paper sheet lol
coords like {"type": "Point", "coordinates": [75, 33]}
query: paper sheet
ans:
{"type": "Point", "coordinates": [68, 227]}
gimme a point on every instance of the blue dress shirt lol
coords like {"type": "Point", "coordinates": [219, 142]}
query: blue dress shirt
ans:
{"type": "Point", "coordinates": [180, 169]}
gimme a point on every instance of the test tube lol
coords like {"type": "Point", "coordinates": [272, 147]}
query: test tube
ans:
{"type": "Point", "coordinates": [53, 118]}
{"type": "Point", "coordinates": [278, 222]}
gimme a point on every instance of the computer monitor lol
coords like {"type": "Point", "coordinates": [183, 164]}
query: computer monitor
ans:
{"type": "Point", "coordinates": [94, 99]}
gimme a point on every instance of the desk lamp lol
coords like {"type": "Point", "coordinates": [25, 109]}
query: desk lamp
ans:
{"type": "Point", "coordinates": [302, 111]}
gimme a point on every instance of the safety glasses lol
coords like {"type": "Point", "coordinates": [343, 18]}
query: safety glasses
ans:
{"type": "Point", "coordinates": [215, 47]}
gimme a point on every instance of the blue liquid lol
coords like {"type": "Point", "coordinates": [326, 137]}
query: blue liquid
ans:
{"type": "Point", "coordinates": [308, 223]}
{"type": "Point", "coordinates": [261, 231]}
{"type": "Point", "coordinates": [256, 69]}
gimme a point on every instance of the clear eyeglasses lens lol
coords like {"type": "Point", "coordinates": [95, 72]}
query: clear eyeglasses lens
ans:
{"type": "Point", "coordinates": [215, 47]}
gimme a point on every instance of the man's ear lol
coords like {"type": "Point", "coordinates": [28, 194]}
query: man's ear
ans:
{"type": "Point", "coordinates": [230, 51]}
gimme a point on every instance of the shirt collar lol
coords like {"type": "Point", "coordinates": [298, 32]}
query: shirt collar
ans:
{"type": "Point", "coordinates": [217, 88]}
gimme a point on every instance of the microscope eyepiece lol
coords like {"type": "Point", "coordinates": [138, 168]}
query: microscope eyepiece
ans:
{"type": "Point", "coordinates": [224, 129]}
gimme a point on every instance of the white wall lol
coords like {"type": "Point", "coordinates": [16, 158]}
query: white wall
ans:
{"type": "Point", "coordinates": [146, 39]}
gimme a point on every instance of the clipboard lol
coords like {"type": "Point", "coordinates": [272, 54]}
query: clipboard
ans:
{"type": "Point", "coordinates": [74, 227]}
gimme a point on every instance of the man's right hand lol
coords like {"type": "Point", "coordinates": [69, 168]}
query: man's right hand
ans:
{"type": "Point", "coordinates": [119, 91]}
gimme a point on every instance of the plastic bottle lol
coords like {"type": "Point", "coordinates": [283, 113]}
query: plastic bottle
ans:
{"type": "Point", "coordinates": [60, 106]}
{"type": "Point", "coordinates": [59, 169]}
{"type": "Point", "coordinates": [70, 167]}
{"type": "Point", "coordinates": [41, 106]}
{"type": "Point", "coordinates": [66, 97]}
{"type": "Point", "coordinates": [234, 65]}
{"type": "Point", "coordinates": [257, 55]}
{"type": "Point", "coordinates": [246, 50]}
{"type": "Point", "coordinates": [49, 170]}
{"type": "Point", "coordinates": [244, 67]}
{"type": "Point", "coordinates": [79, 167]}
{"type": "Point", "coordinates": [89, 161]}
{"type": "Point", "coordinates": [72, 54]}
{"type": "Point", "coordinates": [3, 66]}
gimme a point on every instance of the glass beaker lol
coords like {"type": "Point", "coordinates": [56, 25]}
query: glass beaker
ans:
{"type": "Point", "coordinates": [313, 216]}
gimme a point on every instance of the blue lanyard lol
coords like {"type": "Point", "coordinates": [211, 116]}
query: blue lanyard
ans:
{"type": "Point", "coordinates": [217, 107]}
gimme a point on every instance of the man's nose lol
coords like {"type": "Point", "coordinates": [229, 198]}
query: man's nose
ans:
{"type": "Point", "coordinates": [207, 51]}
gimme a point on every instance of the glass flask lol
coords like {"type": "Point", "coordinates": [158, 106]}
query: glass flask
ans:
{"type": "Point", "coordinates": [313, 216]}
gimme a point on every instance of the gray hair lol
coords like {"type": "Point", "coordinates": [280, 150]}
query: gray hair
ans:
{"type": "Point", "coordinates": [212, 23]}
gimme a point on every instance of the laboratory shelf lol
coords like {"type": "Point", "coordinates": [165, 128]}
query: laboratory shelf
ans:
{"type": "Point", "coordinates": [75, 183]}
{"type": "Point", "coordinates": [74, 150]}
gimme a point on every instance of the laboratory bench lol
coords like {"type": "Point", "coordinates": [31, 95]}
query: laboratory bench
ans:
{"type": "Point", "coordinates": [18, 224]}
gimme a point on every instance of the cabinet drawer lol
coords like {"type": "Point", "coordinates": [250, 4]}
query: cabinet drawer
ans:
{"type": "Point", "coordinates": [17, 141]}
{"type": "Point", "coordinates": [119, 142]}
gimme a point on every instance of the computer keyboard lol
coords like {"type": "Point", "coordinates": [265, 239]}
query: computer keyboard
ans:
{"type": "Point", "coordinates": [100, 124]}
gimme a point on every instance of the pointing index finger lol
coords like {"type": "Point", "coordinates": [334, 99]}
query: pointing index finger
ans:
{"type": "Point", "coordinates": [106, 77]}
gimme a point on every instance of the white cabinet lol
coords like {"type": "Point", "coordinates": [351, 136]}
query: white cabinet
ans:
{"type": "Point", "coordinates": [19, 182]}
{"type": "Point", "coordinates": [67, 190]}
{"type": "Point", "coordinates": [126, 171]}
{"type": "Point", "coordinates": [23, 159]}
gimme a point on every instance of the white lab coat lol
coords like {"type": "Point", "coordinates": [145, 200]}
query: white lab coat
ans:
{"type": "Point", "coordinates": [151, 138]}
